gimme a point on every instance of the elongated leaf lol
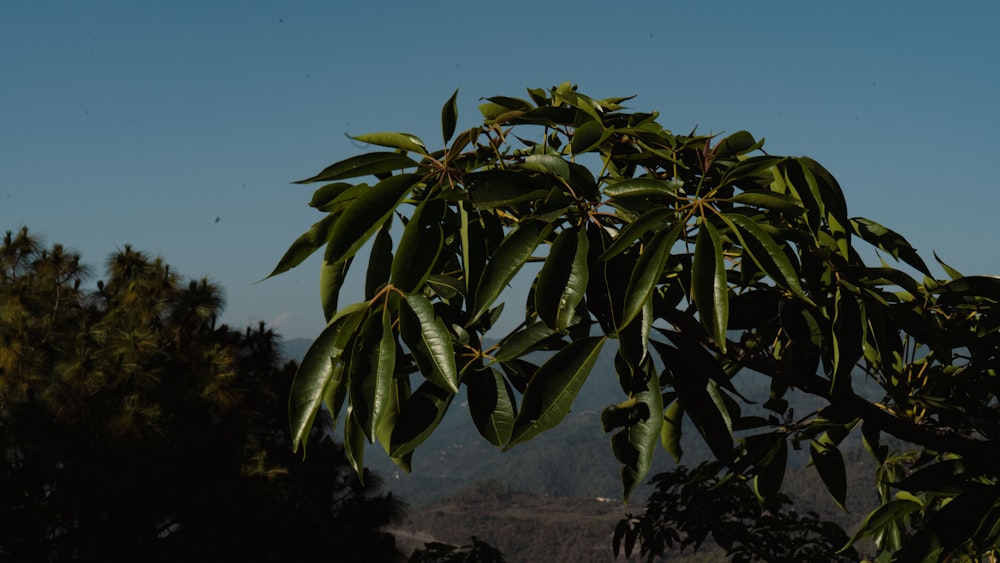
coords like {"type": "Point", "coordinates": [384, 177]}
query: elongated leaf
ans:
{"type": "Point", "coordinates": [690, 380]}
{"type": "Point", "coordinates": [833, 202]}
{"type": "Point", "coordinates": [648, 271]}
{"type": "Point", "coordinates": [331, 279]}
{"type": "Point", "coordinates": [848, 339]}
{"type": "Point", "coordinates": [513, 252]}
{"type": "Point", "coordinates": [829, 463]}
{"type": "Point", "coordinates": [354, 444]}
{"type": "Point", "coordinates": [562, 281]}
{"type": "Point", "coordinates": [671, 431]}
{"type": "Point", "coordinates": [379, 261]}
{"type": "Point", "coordinates": [770, 200]}
{"type": "Point", "coordinates": [404, 141]}
{"type": "Point", "coordinates": [490, 189]}
{"type": "Point", "coordinates": [362, 165]}
{"type": "Point", "coordinates": [419, 247]}
{"type": "Point", "coordinates": [399, 393]}
{"type": "Point", "coordinates": [771, 471]}
{"type": "Point", "coordinates": [418, 418]}
{"type": "Point", "coordinates": [708, 283]}
{"type": "Point", "coordinates": [955, 524]}
{"type": "Point", "coordinates": [303, 247]}
{"type": "Point", "coordinates": [491, 404]}
{"type": "Point", "coordinates": [643, 187]}
{"type": "Point", "coordinates": [329, 193]}
{"type": "Point", "coordinates": [370, 369]}
{"type": "Point", "coordinates": [588, 136]}
{"type": "Point", "coordinates": [449, 117]}
{"type": "Point", "coordinates": [435, 340]}
{"type": "Point", "coordinates": [366, 214]}
{"type": "Point", "coordinates": [767, 254]}
{"type": "Point", "coordinates": [549, 163]}
{"type": "Point", "coordinates": [889, 241]}
{"type": "Point", "coordinates": [528, 339]}
{"type": "Point", "coordinates": [314, 376]}
{"type": "Point", "coordinates": [634, 445]}
{"type": "Point", "coordinates": [893, 513]}
{"type": "Point", "coordinates": [551, 391]}
{"type": "Point", "coordinates": [648, 221]}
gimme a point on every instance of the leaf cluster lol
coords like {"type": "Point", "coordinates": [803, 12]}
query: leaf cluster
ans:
{"type": "Point", "coordinates": [701, 256]}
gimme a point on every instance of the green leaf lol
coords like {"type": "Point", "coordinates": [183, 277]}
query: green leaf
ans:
{"type": "Point", "coordinates": [771, 471]}
{"type": "Point", "coordinates": [634, 445]}
{"type": "Point", "coordinates": [953, 525]}
{"type": "Point", "coordinates": [588, 136]}
{"type": "Point", "coordinates": [551, 391]}
{"type": "Point", "coordinates": [643, 187]}
{"type": "Point", "coordinates": [829, 463]}
{"type": "Point", "coordinates": [403, 141]}
{"type": "Point", "coordinates": [893, 513]}
{"type": "Point", "coordinates": [305, 245]}
{"type": "Point", "coordinates": [490, 189]}
{"type": "Point", "coordinates": [709, 285]}
{"type": "Point", "coordinates": [889, 241]}
{"type": "Point", "coordinates": [648, 271]}
{"type": "Point", "coordinates": [311, 382]}
{"type": "Point", "coordinates": [491, 404]}
{"type": "Point", "coordinates": [434, 341]}
{"type": "Point", "coordinates": [418, 418]}
{"type": "Point", "coordinates": [523, 341]}
{"type": "Point", "coordinates": [354, 444]}
{"type": "Point", "coordinates": [331, 279]}
{"type": "Point", "coordinates": [419, 247]}
{"type": "Point", "coordinates": [848, 339]}
{"type": "Point", "coordinates": [449, 117]}
{"type": "Point", "coordinates": [366, 214]}
{"type": "Point", "coordinates": [329, 193]}
{"type": "Point", "coordinates": [562, 281]}
{"type": "Point", "coordinates": [952, 272]}
{"type": "Point", "coordinates": [379, 261]}
{"type": "Point", "coordinates": [370, 369]}
{"type": "Point", "coordinates": [648, 221]}
{"type": "Point", "coordinates": [362, 165]}
{"type": "Point", "coordinates": [767, 199]}
{"type": "Point", "coordinates": [671, 431]}
{"type": "Point", "coordinates": [512, 253]}
{"type": "Point", "coordinates": [547, 163]}
{"type": "Point", "coordinates": [766, 253]}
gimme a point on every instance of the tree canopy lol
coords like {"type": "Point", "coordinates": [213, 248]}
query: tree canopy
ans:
{"type": "Point", "coordinates": [134, 428]}
{"type": "Point", "coordinates": [704, 258]}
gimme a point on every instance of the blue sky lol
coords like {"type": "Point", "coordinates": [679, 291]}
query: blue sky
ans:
{"type": "Point", "coordinates": [143, 124]}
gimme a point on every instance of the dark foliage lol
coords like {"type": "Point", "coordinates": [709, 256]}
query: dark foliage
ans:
{"type": "Point", "coordinates": [476, 552]}
{"type": "Point", "coordinates": [133, 428]}
{"type": "Point", "coordinates": [689, 506]}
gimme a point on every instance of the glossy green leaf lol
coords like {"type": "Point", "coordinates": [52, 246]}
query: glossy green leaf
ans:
{"type": "Point", "coordinates": [331, 279]}
{"type": "Point", "coordinates": [551, 391]}
{"type": "Point", "coordinates": [490, 189]}
{"type": "Point", "coordinates": [648, 271]}
{"type": "Point", "coordinates": [766, 199]}
{"type": "Point", "coordinates": [523, 341]}
{"type": "Point", "coordinates": [709, 284]}
{"type": "Point", "coordinates": [893, 513]}
{"type": "Point", "coordinates": [329, 193]}
{"type": "Point", "coordinates": [419, 246]}
{"type": "Point", "coordinates": [547, 163]}
{"type": "Point", "coordinates": [491, 404]}
{"type": "Point", "coordinates": [648, 221]}
{"type": "Point", "coordinates": [434, 341]}
{"type": "Point", "coordinates": [634, 445]}
{"type": "Point", "coordinates": [303, 247]}
{"type": "Point", "coordinates": [366, 214]}
{"type": "Point", "coordinates": [767, 254]}
{"type": "Point", "coordinates": [370, 370]}
{"type": "Point", "coordinates": [379, 261]}
{"type": "Point", "coordinates": [889, 241]}
{"type": "Point", "coordinates": [562, 281]}
{"type": "Point", "coordinates": [512, 253]}
{"type": "Point", "coordinates": [829, 463]}
{"type": "Point", "coordinates": [418, 417]}
{"type": "Point", "coordinates": [952, 526]}
{"type": "Point", "coordinates": [362, 165]}
{"type": "Point", "coordinates": [403, 141]}
{"type": "Point", "coordinates": [314, 376]}
{"type": "Point", "coordinates": [399, 393]}
{"type": "Point", "coordinates": [449, 117]}
{"type": "Point", "coordinates": [771, 471]}
{"type": "Point", "coordinates": [643, 187]}
{"type": "Point", "coordinates": [354, 444]}
{"type": "Point", "coordinates": [672, 429]}
{"type": "Point", "coordinates": [589, 135]}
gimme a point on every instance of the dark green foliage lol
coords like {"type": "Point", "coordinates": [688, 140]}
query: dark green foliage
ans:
{"type": "Point", "coordinates": [477, 552]}
{"type": "Point", "coordinates": [133, 428]}
{"type": "Point", "coordinates": [692, 506]}
{"type": "Point", "coordinates": [709, 261]}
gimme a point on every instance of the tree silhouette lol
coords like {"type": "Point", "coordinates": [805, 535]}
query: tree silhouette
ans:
{"type": "Point", "coordinates": [133, 427]}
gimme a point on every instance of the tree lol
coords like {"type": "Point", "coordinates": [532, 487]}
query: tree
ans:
{"type": "Point", "coordinates": [708, 261]}
{"type": "Point", "coordinates": [134, 428]}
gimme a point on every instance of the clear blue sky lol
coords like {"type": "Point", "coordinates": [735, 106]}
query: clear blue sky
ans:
{"type": "Point", "coordinates": [141, 123]}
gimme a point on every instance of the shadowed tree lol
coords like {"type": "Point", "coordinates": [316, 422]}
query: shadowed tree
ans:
{"type": "Point", "coordinates": [132, 427]}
